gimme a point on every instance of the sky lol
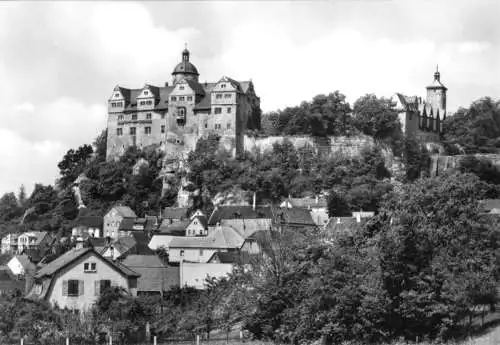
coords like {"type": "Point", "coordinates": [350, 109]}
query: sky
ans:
{"type": "Point", "coordinates": [60, 61]}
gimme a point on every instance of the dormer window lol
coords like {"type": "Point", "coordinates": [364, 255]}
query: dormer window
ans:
{"type": "Point", "coordinates": [181, 87]}
{"type": "Point", "coordinates": [89, 267]}
{"type": "Point", "coordinates": [146, 93]}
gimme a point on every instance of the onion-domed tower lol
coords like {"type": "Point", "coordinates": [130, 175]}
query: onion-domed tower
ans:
{"type": "Point", "coordinates": [185, 69]}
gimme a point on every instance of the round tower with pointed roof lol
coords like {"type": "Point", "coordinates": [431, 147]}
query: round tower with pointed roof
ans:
{"type": "Point", "coordinates": [185, 69]}
{"type": "Point", "coordinates": [436, 96]}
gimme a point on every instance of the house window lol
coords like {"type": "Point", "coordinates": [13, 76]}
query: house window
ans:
{"type": "Point", "coordinates": [227, 95]}
{"type": "Point", "coordinates": [229, 110]}
{"type": "Point", "coordinates": [206, 125]}
{"type": "Point", "coordinates": [134, 117]}
{"type": "Point", "coordinates": [73, 288]}
{"type": "Point", "coordinates": [181, 87]}
{"type": "Point", "coordinates": [150, 102]}
{"type": "Point", "coordinates": [182, 252]}
{"type": "Point", "coordinates": [181, 98]}
{"type": "Point", "coordinates": [163, 116]}
{"type": "Point", "coordinates": [147, 130]}
{"type": "Point", "coordinates": [223, 86]}
{"type": "Point", "coordinates": [148, 116]}
{"type": "Point", "coordinates": [132, 130]}
{"type": "Point", "coordinates": [117, 95]}
{"type": "Point", "coordinates": [146, 92]}
{"type": "Point", "coordinates": [189, 98]}
{"type": "Point", "coordinates": [120, 117]}
{"type": "Point", "coordinates": [218, 110]}
{"type": "Point", "coordinates": [119, 131]}
{"type": "Point", "coordinates": [104, 285]}
{"type": "Point", "coordinates": [228, 125]}
{"type": "Point", "coordinates": [201, 252]}
{"type": "Point", "coordinates": [89, 267]}
{"type": "Point", "coordinates": [173, 98]}
{"type": "Point", "coordinates": [218, 96]}
{"type": "Point", "coordinates": [163, 128]}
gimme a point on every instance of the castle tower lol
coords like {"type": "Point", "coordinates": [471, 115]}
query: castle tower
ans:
{"type": "Point", "coordinates": [185, 69]}
{"type": "Point", "coordinates": [436, 95]}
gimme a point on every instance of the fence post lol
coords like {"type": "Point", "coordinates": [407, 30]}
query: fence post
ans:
{"type": "Point", "coordinates": [154, 340]}
{"type": "Point", "coordinates": [197, 339]}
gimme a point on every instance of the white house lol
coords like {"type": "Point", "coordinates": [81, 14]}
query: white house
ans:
{"type": "Point", "coordinates": [20, 265]}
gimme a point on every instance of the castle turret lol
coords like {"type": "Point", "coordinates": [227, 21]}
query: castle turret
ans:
{"type": "Point", "coordinates": [185, 69]}
{"type": "Point", "coordinates": [436, 95]}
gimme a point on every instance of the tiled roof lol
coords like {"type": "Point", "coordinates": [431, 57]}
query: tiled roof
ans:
{"type": "Point", "coordinates": [175, 229]}
{"type": "Point", "coordinates": [125, 211]}
{"type": "Point", "coordinates": [70, 257]}
{"type": "Point", "coordinates": [223, 237]}
{"type": "Point", "coordinates": [90, 221]}
{"type": "Point", "coordinates": [487, 205]}
{"type": "Point", "coordinates": [296, 216]}
{"type": "Point", "coordinates": [195, 86]}
{"type": "Point", "coordinates": [202, 220]}
{"type": "Point", "coordinates": [238, 212]}
{"type": "Point", "coordinates": [339, 225]}
{"type": "Point", "coordinates": [127, 224]}
{"type": "Point", "coordinates": [175, 212]}
{"type": "Point", "coordinates": [307, 202]}
{"type": "Point", "coordinates": [26, 263]}
{"type": "Point", "coordinates": [246, 227]}
{"type": "Point", "coordinates": [204, 104]}
{"type": "Point", "coordinates": [155, 275]}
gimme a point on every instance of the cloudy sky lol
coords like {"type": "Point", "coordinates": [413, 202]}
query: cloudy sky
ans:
{"type": "Point", "coordinates": [60, 61]}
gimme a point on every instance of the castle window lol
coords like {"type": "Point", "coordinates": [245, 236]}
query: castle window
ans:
{"type": "Point", "coordinates": [147, 130]}
{"type": "Point", "coordinates": [218, 110]}
{"type": "Point", "coordinates": [229, 110]}
{"type": "Point", "coordinates": [119, 132]}
{"type": "Point", "coordinates": [132, 130]}
{"type": "Point", "coordinates": [181, 98]}
{"type": "Point", "coordinates": [227, 95]}
{"type": "Point", "coordinates": [189, 98]}
{"type": "Point", "coordinates": [120, 117]}
{"type": "Point", "coordinates": [163, 128]}
{"type": "Point", "coordinates": [181, 116]}
{"type": "Point", "coordinates": [218, 96]}
{"type": "Point", "coordinates": [148, 116]}
{"type": "Point", "coordinates": [173, 98]}
{"type": "Point", "coordinates": [228, 125]}
{"type": "Point", "coordinates": [134, 117]}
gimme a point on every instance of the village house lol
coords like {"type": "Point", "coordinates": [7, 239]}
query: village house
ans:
{"type": "Point", "coordinates": [156, 277]}
{"type": "Point", "coordinates": [87, 226]}
{"type": "Point", "coordinates": [294, 218]}
{"type": "Point", "coordinates": [198, 226]}
{"type": "Point", "coordinates": [76, 279]}
{"type": "Point", "coordinates": [33, 241]}
{"type": "Point", "coordinates": [490, 206]}
{"type": "Point", "coordinates": [318, 207]}
{"type": "Point", "coordinates": [246, 227]}
{"type": "Point", "coordinates": [201, 249]}
{"type": "Point", "coordinates": [136, 243]}
{"type": "Point", "coordinates": [21, 265]}
{"type": "Point", "coordinates": [173, 215]}
{"type": "Point", "coordinates": [238, 212]}
{"type": "Point", "coordinates": [9, 243]}
{"type": "Point", "coordinates": [114, 217]}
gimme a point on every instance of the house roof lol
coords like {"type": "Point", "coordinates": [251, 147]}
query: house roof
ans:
{"type": "Point", "coordinates": [487, 205]}
{"type": "Point", "coordinates": [128, 224]}
{"type": "Point", "coordinates": [202, 220]}
{"type": "Point", "coordinates": [339, 225]}
{"type": "Point", "coordinates": [38, 235]}
{"type": "Point", "coordinates": [175, 212]}
{"type": "Point", "coordinates": [238, 212]}
{"type": "Point", "coordinates": [71, 256]}
{"type": "Point", "coordinates": [246, 227]}
{"type": "Point", "coordinates": [152, 223]}
{"type": "Point", "coordinates": [125, 211]}
{"type": "Point", "coordinates": [155, 275]}
{"type": "Point", "coordinates": [175, 229]}
{"type": "Point", "coordinates": [408, 103]}
{"type": "Point", "coordinates": [307, 202]}
{"type": "Point", "coordinates": [229, 257]}
{"type": "Point", "coordinates": [25, 262]}
{"type": "Point", "coordinates": [299, 216]}
{"type": "Point", "coordinates": [90, 221]}
{"type": "Point", "coordinates": [224, 237]}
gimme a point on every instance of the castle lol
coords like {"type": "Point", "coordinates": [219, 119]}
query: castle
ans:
{"type": "Point", "coordinates": [423, 119]}
{"type": "Point", "coordinates": [175, 116]}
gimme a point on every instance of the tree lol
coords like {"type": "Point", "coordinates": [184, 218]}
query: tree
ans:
{"type": "Point", "coordinates": [376, 117]}
{"type": "Point", "coordinates": [9, 207]}
{"type": "Point", "coordinates": [73, 164]}
{"type": "Point", "coordinates": [21, 196]}
{"type": "Point", "coordinates": [337, 205]}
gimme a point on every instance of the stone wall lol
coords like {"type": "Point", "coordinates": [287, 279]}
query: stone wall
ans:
{"type": "Point", "coordinates": [439, 164]}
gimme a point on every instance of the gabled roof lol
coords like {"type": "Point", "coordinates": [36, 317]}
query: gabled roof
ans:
{"type": "Point", "coordinates": [90, 221]}
{"type": "Point", "coordinates": [246, 227]}
{"type": "Point", "coordinates": [238, 212]}
{"type": "Point", "coordinates": [125, 211]}
{"type": "Point", "coordinates": [175, 229]}
{"type": "Point", "coordinates": [295, 216]}
{"type": "Point", "coordinates": [223, 237]}
{"type": "Point", "coordinates": [155, 275]}
{"type": "Point", "coordinates": [229, 258]}
{"type": "Point", "coordinates": [307, 202]}
{"type": "Point", "coordinates": [201, 220]}
{"type": "Point", "coordinates": [128, 224]}
{"type": "Point", "coordinates": [175, 212]}
{"type": "Point", "coordinates": [25, 262]}
{"type": "Point", "coordinates": [38, 235]}
{"type": "Point", "coordinates": [73, 255]}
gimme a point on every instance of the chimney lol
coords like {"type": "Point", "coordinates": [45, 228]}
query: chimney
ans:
{"type": "Point", "coordinates": [254, 200]}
